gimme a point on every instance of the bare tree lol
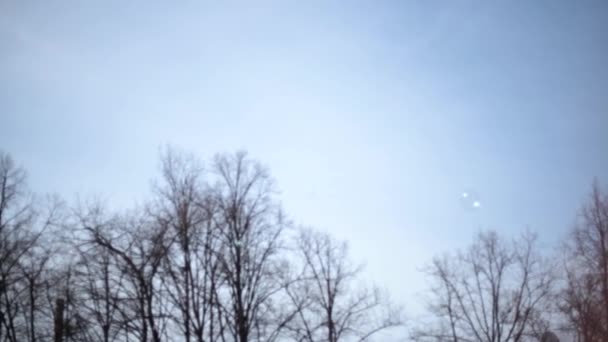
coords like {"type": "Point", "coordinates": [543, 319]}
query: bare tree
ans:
{"type": "Point", "coordinates": [331, 304]}
{"type": "Point", "coordinates": [137, 247]}
{"type": "Point", "coordinates": [488, 293]}
{"type": "Point", "coordinates": [97, 278]}
{"type": "Point", "coordinates": [34, 269]}
{"type": "Point", "coordinates": [191, 271]}
{"type": "Point", "coordinates": [99, 282]}
{"type": "Point", "coordinates": [16, 217]}
{"type": "Point", "coordinates": [251, 224]}
{"type": "Point", "coordinates": [24, 257]}
{"type": "Point", "coordinates": [585, 298]}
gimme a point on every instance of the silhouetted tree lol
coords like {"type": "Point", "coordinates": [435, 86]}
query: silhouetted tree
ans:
{"type": "Point", "coordinates": [488, 293]}
{"type": "Point", "coordinates": [137, 246]}
{"type": "Point", "coordinates": [97, 277]}
{"type": "Point", "coordinates": [34, 267]}
{"type": "Point", "coordinates": [585, 298]}
{"type": "Point", "coordinates": [191, 269]}
{"type": "Point", "coordinates": [330, 305]}
{"type": "Point", "coordinates": [250, 222]}
{"type": "Point", "coordinates": [24, 257]}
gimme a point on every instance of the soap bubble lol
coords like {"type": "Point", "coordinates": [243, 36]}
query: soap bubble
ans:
{"type": "Point", "coordinates": [469, 200]}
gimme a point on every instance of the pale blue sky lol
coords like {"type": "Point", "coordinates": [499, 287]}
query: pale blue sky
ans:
{"type": "Point", "coordinates": [372, 116]}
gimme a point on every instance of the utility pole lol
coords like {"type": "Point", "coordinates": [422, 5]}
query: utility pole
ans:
{"type": "Point", "coordinates": [59, 307]}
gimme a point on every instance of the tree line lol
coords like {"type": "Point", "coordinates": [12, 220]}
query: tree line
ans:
{"type": "Point", "coordinates": [212, 257]}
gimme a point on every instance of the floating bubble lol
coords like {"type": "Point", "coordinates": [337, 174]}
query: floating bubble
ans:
{"type": "Point", "coordinates": [469, 200]}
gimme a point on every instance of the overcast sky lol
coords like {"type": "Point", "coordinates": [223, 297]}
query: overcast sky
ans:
{"type": "Point", "coordinates": [373, 117]}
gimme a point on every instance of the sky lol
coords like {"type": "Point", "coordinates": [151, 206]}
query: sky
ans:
{"type": "Point", "coordinates": [374, 117]}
